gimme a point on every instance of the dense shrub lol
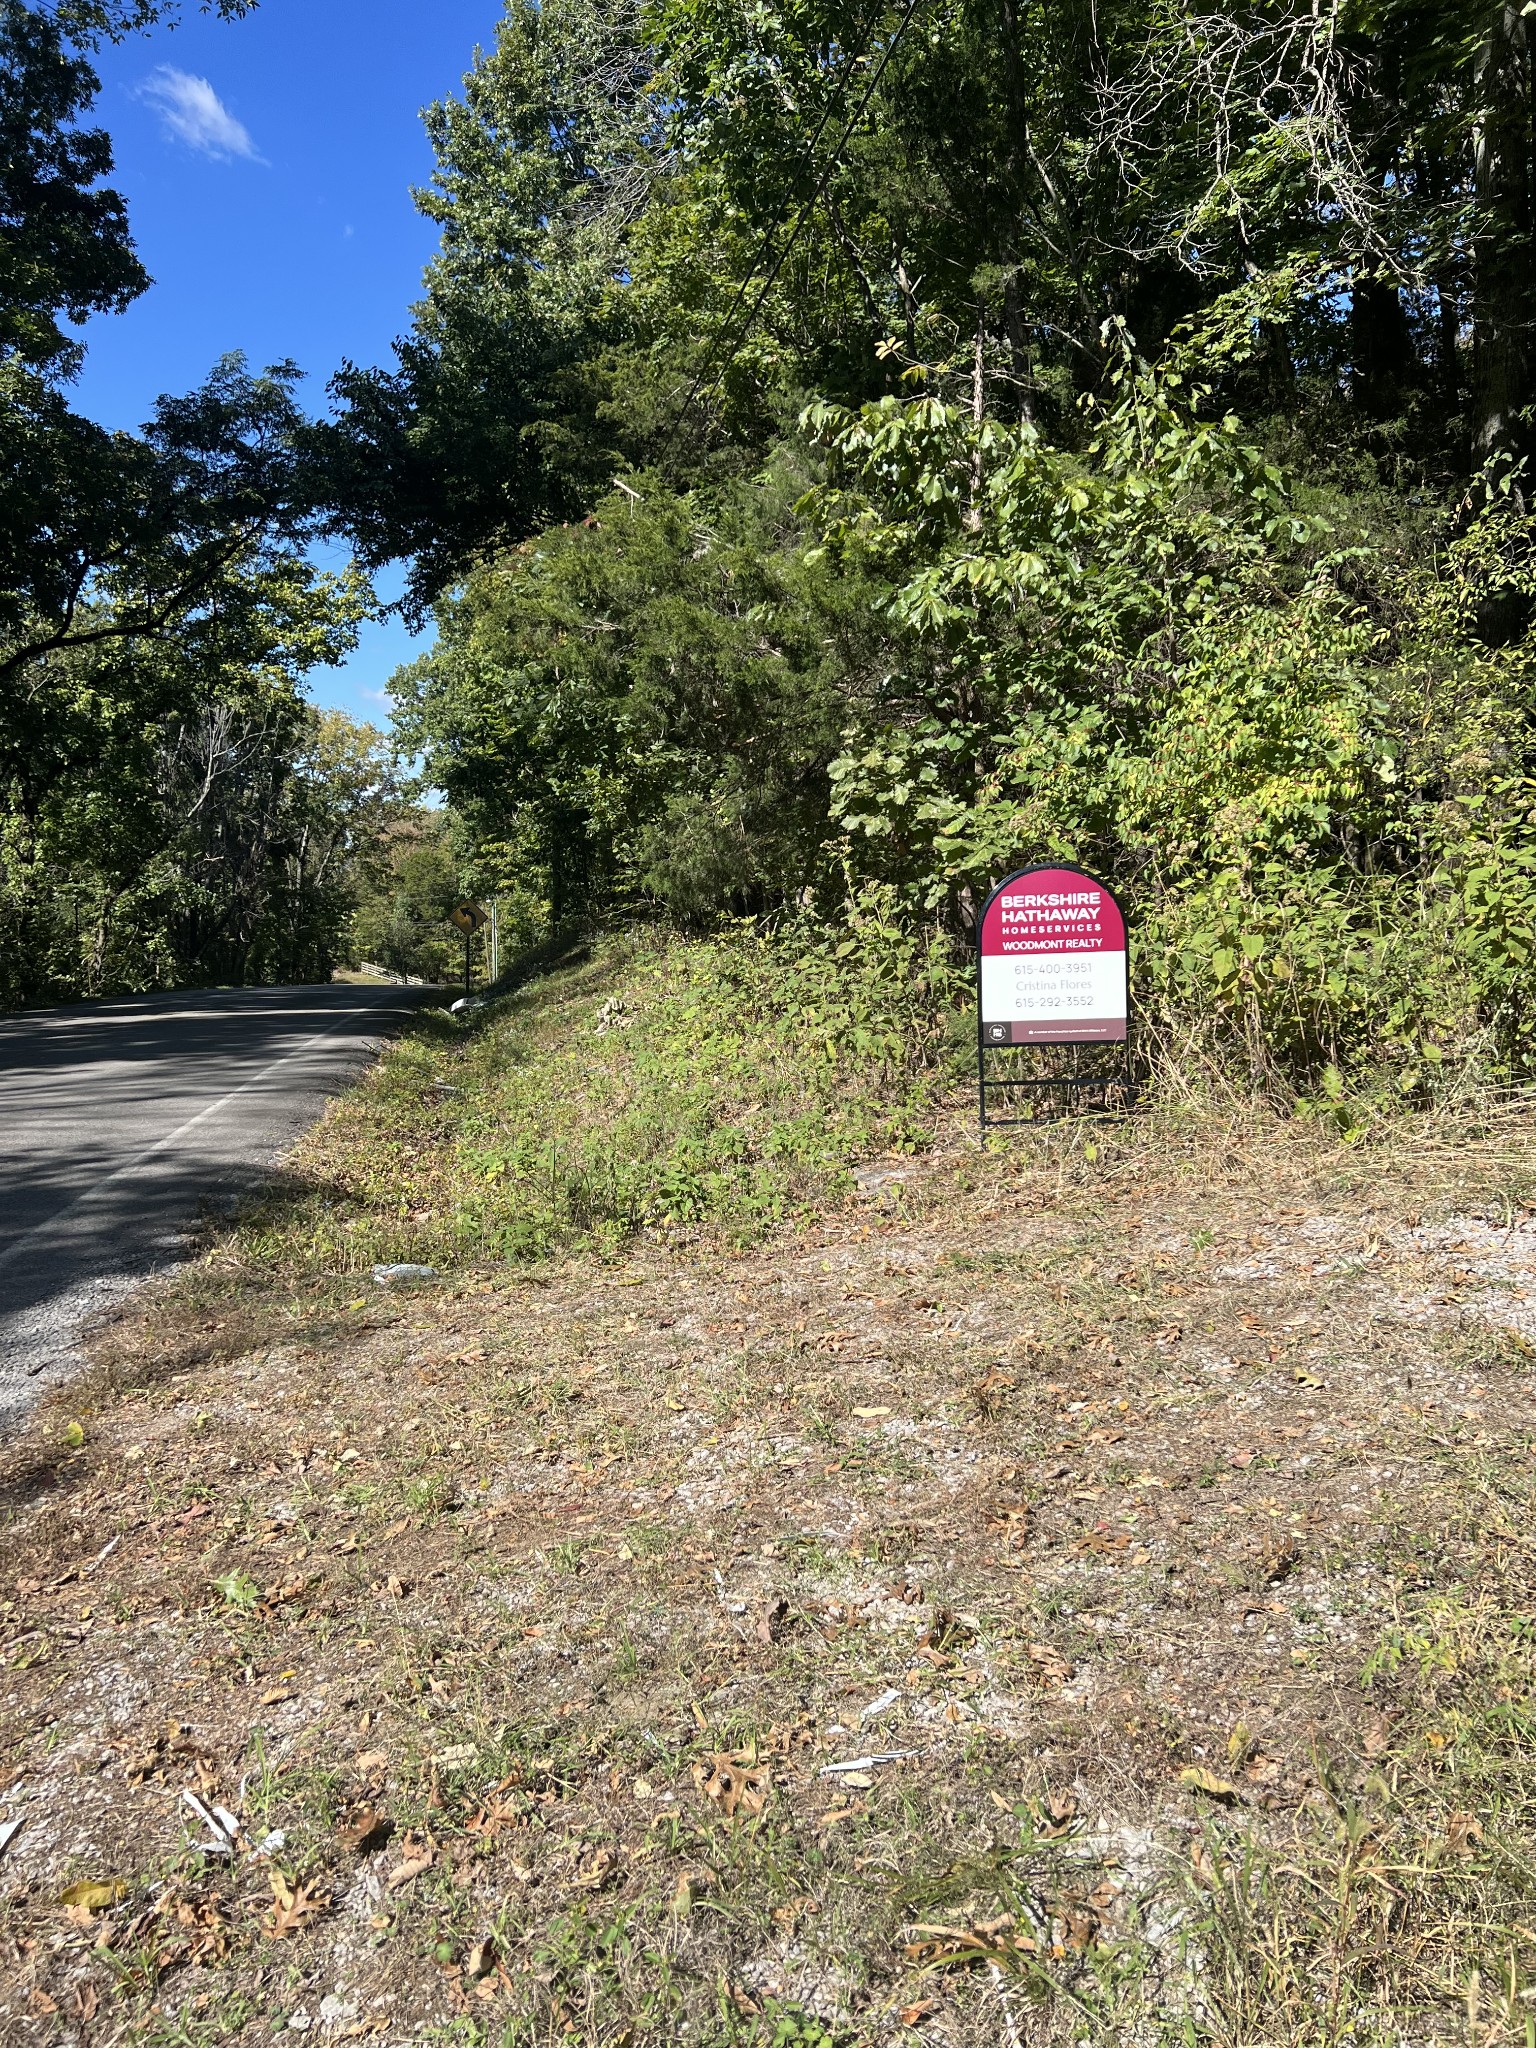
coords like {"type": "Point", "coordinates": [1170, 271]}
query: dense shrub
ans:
{"type": "Point", "coordinates": [1298, 756]}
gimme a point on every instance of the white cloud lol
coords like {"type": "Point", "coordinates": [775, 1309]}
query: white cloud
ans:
{"type": "Point", "coordinates": [193, 113]}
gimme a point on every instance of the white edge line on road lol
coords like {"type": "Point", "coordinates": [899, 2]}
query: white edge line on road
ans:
{"type": "Point", "coordinates": [59, 1216]}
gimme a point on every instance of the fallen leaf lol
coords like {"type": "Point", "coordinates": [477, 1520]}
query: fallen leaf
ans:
{"type": "Point", "coordinates": [198, 1927]}
{"type": "Point", "coordinates": [1052, 1665]}
{"type": "Point", "coordinates": [373, 1760]}
{"type": "Point", "coordinates": [793, 1911]}
{"type": "Point", "coordinates": [491, 1819]}
{"type": "Point", "coordinates": [771, 1622]}
{"type": "Point", "coordinates": [1279, 1564]}
{"type": "Point", "coordinates": [1053, 1816]}
{"type": "Point", "coordinates": [293, 1908]}
{"type": "Point", "coordinates": [1101, 1542]}
{"type": "Point", "coordinates": [1199, 1779]}
{"type": "Point", "coordinates": [1463, 1836]}
{"type": "Point", "coordinates": [870, 1414]}
{"type": "Point", "coordinates": [481, 1959]}
{"type": "Point", "coordinates": [278, 1696]}
{"type": "Point", "coordinates": [950, 1632]}
{"type": "Point", "coordinates": [593, 1875]}
{"type": "Point", "coordinates": [1378, 1731]}
{"type": "Point", "coordinates": [93, 1898]}
{"type": "Point", "coordinates": [416, 1855]}
{"type": "Point", "coordinates": [989, 1941]}
{"type": "Point", "coordinates": [1009, 1518]}
{"type": "Point", "coordinates": [365, 1831]}
{"type": "Point", "coordinates": [735, 1783]}
{"type": "Point", "coordinates": [1204, 1865]}
{"type": "Point", "coordinates": [84, 2002]}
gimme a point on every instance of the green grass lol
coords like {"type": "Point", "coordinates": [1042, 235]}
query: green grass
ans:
{"type": "Point", "coordinates": [526, 1640]}
{"type": "Point", "coordinates": [661, 1087]}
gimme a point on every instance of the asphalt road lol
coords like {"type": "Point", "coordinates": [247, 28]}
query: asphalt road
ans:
{"type": "Point", "coordinates": [121, 1124]}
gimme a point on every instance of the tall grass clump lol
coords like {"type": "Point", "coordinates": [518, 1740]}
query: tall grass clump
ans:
{"type": "Point", "coordinates": [659, 1085]}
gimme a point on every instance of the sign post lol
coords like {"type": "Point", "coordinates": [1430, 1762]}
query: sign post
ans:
{"type": "Point", "coordinates": [469, 916]}
{"type": "Point", "coordinates": [1052, 969]}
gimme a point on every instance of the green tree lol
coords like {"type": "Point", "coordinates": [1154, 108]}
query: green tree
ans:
{"type": "Point", "coordinates": [862, 504]}
{"type": "Point", "coordinates": [66, 249]}
{"type": "Point", "coordinates": [647, 703]}
{"type": "Point", "coordinates": [171, 808]}
{"type": "Point", "coordinates": [177, 832]}
{"type": "Point", "coordinates": [484, 429]}
{"type": "Point", "coordinates": [401, 920]}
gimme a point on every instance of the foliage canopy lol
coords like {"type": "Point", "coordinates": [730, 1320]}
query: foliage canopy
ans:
{"type": "Point", "coordinates": [889, 444]}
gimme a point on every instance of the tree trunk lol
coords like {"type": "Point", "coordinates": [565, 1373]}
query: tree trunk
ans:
{"type": "Point", "coordinates": [1018, 343]}
{"type": "Point", "coordinates": [1503, 297]}
{"type": "Point", "coordinates": [1382, 355]}
{"type": "Point", "coordinates": [978, 415]}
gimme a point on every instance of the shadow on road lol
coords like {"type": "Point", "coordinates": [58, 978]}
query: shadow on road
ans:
{"type": "Point", "coordinates": [125, 1122]}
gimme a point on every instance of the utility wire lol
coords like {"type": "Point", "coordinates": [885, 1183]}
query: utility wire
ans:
{"type": "Point", "coordinates": [804, 215]}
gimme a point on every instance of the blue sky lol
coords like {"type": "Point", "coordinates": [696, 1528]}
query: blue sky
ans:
{"type": "Point", "coordinates": [268, 166]}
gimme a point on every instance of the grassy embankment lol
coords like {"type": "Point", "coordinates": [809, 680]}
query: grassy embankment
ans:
{"type": "Point", "coordinates": [794, 1576]}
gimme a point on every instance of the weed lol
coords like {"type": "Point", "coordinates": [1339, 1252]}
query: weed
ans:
{"type": "Point", "coordinates": [790, 2026]}
{"type": "Point", "coordinates": [238, 1590]}
{"type": "Point", "coordinates": [200, 2022]}
{"type": "Point", "coordinates": [727, 1104]}
{"type": "Point", "coordinates": [429, 1496]}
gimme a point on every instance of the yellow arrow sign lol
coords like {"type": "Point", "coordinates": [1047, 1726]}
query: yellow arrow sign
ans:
{"type": "Point", "coordinates": [469, 916]}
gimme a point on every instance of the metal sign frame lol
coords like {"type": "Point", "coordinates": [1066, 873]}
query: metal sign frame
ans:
{"type": "Point", "coordinates": [471, 918]}
{"type": "Point", "coordinates": [1125, 1079]}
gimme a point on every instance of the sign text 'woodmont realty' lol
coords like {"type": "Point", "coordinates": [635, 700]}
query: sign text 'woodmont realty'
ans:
{"type": "Point", "coordinates": [1053, 961]}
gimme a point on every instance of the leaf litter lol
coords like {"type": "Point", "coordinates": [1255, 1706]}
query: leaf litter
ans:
{"type": "Point", "coordinates": [439, 1594]}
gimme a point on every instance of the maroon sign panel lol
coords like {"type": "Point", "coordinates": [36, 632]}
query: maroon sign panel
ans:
{"type": "Point", "coordinates": [1053, 961]}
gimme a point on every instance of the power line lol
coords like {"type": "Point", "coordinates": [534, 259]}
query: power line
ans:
{"type": "Point", "coordinates": [804, 215]}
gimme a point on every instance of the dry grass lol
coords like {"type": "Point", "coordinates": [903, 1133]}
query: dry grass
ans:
{"type": "Point", "coordinates": [1154, 1497]}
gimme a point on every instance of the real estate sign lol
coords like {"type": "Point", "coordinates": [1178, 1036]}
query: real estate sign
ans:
{"type": "Point", "coordinates": [1053, 961]}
